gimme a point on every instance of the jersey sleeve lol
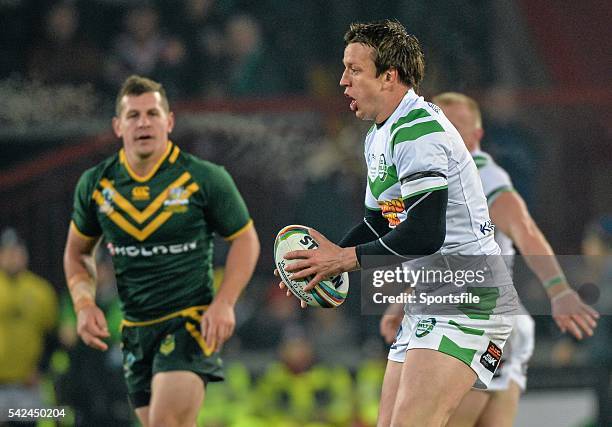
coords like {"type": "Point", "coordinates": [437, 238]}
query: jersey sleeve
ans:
{"type": "Point", "coordinates": [225, 210]}
{"type": "Point", "coordinates": [84, 218]}
{"type": "Point", "coordinates": [420, 158]}
{"type": "Point", "coordinates": [495, 181]}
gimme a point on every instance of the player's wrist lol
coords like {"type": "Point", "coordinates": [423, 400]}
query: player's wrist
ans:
{"type": "Point", "coordinates": [556, 285]}
{"type": "Point", "coordinates": [82, 291]}
{"type": "Point", "coordinates": [350, 262]}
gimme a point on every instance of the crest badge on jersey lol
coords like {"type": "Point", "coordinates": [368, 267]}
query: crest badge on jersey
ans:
{"type": "Point", "coordinates": [382, 168]}
{"type": "Point", "coordinates": [177, 201]}
{"type": "Point", "coordinates": [107, 206]}
{"type": "Point", "coordinates": [168, 345]}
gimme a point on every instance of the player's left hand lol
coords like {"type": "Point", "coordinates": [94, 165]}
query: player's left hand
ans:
{"type": "Point", "coordinates": [325, 261]}
{"type": "Point", "coordinates": [283, 286]}
{"type": "Point", "coordinates": [218, 323]}
{"type": "Point", "coordinates": [573, 315]}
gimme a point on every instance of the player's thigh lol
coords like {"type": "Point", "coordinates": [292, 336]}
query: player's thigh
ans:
{"type": "Point", "coordinates": [176, 398]}
{"type": "Point", "coordinates": [469, 410]}
{"type": "Point", "coordinates": [431, 386]}
{"type": "Point", "coordinates": [389, 392]}
{"type": "Point", "coordinates": [501, 408]}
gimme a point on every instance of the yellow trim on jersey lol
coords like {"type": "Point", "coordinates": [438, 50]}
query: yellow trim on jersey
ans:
{"type": "Point", "coordinates": [193, 330]}
{"type": "Point", "coordinates": [80, 233]}
{"type": "Point", "coordinates": [142, 216]}
{"type": "Point", "coordinates": [186, 312]}
{"type": "Point", "coordinates": [239, 232]}
{"type": "Point", "coordinates": [143, 234]}
{"type": "Point", "coordinates": [134, 175]}
{"type": "Point", "coordinates": [174, 154]}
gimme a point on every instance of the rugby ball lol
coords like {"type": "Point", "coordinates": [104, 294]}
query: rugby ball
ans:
{"type": "Point", "coordinates": [328, 293]}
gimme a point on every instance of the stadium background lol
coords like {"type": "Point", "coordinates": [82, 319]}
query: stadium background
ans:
{"type": "Point", "coordinates": [254, 86]}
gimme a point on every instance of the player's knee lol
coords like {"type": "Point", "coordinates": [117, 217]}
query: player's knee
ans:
{"type": "Point", "coordinates": [419, 412]}
{"type": "Point", "coordinates": [168, 418]}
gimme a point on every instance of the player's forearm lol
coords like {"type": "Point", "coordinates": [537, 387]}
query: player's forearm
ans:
{"type": "Point", "coordinates": [80, 269]}
{"type": "Point", "coordinates": [539, 256]}
{"type": "Point", "coordinates": [239, 266]}
{"type": "Point", "coordinates": [80, 277]}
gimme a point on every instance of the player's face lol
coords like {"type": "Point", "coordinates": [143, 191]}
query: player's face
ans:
{"type": "Point", "coordinates": [143, 124]}
{"type": "Point", "coordinates": [464, 120]}
{"type": "Point", "coordinates": [360, 83]}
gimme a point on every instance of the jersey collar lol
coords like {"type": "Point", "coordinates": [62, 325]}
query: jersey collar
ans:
{"type": "Point", "coordinates": [171, 148]}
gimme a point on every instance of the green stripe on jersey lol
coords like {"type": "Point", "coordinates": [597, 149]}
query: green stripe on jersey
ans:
{"type": "Point", "coordinates": [419, 113]}
{"type": "Point", "coordinates": [416, 131]}
{"type": "Point", "coordinates": [427, 190]}
{"type": "Point", "coordinates": [377, 187]}
{"type": "Point", "coordinates": [371, 129]}
{"type": "Point", "coordinates": [484, 308]}
{"type": "Point", "coordinates": [480, 161]}
{"type": "Point", "coordinates": [493, 194]}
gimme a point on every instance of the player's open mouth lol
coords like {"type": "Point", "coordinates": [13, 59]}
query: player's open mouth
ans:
{"type": "Point", "coordinates": [353, 104]}
{"type": "Point", "coordinates": [144, 137]}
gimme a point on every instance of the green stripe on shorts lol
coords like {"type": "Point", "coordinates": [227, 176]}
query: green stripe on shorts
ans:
{"type": "Point", "coordinates": [449, 347]}
{"type": "Point", "coordinates": [467, 329]}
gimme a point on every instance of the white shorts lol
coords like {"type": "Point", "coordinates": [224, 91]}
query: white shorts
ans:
{"type": "Point", "coordinates": [476, 342]}
{"type": "Point", "coordinates": [518, 351]}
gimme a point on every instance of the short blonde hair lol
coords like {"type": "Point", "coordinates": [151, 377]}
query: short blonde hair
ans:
{"type": "Point", "coordinates": [451, 98]}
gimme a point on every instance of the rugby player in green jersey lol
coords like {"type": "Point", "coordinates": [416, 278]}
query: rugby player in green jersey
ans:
{"type": "Point", "coordinates": [157, 209]}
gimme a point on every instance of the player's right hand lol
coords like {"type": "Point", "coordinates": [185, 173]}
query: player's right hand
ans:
{"type": "Point", "coordinates": [389, 324]}
{"type": "Point", "coordinates": [289, 294]}
{"type": "Point", "coordinates": [92, 327]}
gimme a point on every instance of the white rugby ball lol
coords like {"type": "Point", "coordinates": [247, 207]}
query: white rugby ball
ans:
{"type": "Point", "coordinates": [328, 293]}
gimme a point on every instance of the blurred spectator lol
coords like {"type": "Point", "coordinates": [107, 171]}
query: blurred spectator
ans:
{"type": "Point", "coordinates": [201, 26]}
{"type": "Point", "coordinates": [254, 69]}
{"type": "Point", "coordinates": [62, 55]}
{"type": "Point", "coordinates": [512, 144]}
{"type": "Point", "coordinates": [597, 248]}
{"type": "Point", "coordinates": [28, 315]}
{"type": "Point", "coordinates": [144, 49]}
{"type": "Point", "coordinates": [97, 400]}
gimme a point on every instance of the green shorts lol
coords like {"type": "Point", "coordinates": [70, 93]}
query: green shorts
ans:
{"type": "Point", "coordinates": [171, 343]}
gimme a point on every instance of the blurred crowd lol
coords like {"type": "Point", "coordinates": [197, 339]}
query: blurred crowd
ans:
{"type": "Point", "coordinates": [215, 48]}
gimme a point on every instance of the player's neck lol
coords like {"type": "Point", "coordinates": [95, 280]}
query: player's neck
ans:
{"type": "Point", "coordinates": [393, 100]}
{"type": "Point", "coordinates": [142, 166]}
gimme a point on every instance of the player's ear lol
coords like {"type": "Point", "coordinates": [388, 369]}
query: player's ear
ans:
{"type": "Point", "coordinates": [170, 121]}
{"type": "Point", "coordinates": [117, 127]}
{"type": "Point", "coordinates": [479, 133]}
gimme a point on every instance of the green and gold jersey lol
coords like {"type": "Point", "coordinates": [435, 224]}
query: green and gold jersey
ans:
{"type": "Point", "coordinates": [159, 228]}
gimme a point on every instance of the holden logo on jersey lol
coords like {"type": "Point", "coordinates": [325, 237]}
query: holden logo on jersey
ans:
{"type": "Point", "coordinates": [382, 168]}
{"type": "Point", "coordinates": [425, 326]}
{"type": "Point", "coordinates": [141, 193]}
{"type": "Point", "coordinates": [107, 206]}
{"type": "Point", "coordinates": [167, 346]}
{"type": "Point", "coordinates": [177, 201]}
{"type": "Point", "coordinates": [135, 251]}
{"type": "Point", "coordinates": [391, 209]}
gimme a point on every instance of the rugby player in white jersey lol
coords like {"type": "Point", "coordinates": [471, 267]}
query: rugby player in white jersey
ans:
{"type": "Point", "coordinates": [423, 200]}
{"type": "Point", "coordinates": [498, 406]}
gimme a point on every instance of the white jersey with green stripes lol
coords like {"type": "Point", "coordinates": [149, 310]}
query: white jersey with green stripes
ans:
{"type": "Point", "coordinates": [495, 181]}
{"type": "Point", "coordinates": [418, 139]}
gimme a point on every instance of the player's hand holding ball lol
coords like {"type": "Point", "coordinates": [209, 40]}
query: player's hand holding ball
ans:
{"type": "Point", "coordinates": [311, 267]}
